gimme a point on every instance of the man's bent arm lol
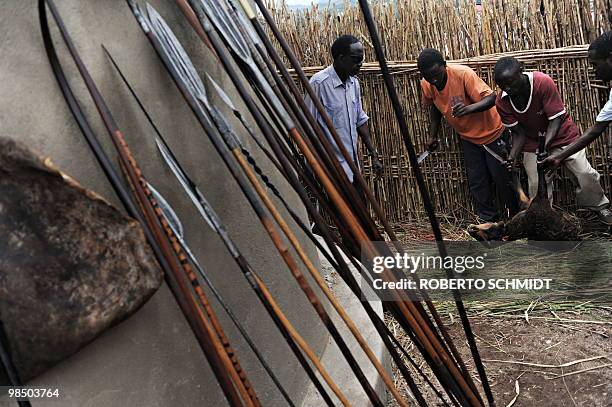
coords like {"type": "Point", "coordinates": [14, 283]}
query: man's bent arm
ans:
{"type": "Point", "coordinates": [518, 141]}
{"type": "Point", "coordinates": [485, 103]}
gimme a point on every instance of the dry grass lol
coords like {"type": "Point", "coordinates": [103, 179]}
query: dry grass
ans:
{"type": "Point", "coordinates": [457, 28]}
{"type": "Point", "coordinates": [494, 322]}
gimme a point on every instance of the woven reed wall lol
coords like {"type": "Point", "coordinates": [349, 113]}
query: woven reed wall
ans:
{"type": "Point", "coordinates": [459, 30]}
{"type": "Point", "coordinates": [444, 171]}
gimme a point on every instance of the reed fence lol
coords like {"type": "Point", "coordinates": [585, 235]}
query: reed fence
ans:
{"type": "Point", "coordinates": [444, 170]}
{"type": "Point", "coordinates": [545, 34]}
{"type": "Point", "coordinates": [458, 28]}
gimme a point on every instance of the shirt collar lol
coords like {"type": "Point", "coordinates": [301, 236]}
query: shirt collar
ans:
{"type": "Point", "coordinates": [336, 81]}
{"type": "Point", "coordinates": [530, 76]}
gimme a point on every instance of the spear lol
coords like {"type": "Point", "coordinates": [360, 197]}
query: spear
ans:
{"type": "Point", "coordinates": [412, 313]}
{"type": "Point", "coordinates": [208, 214]}
{"type": "Point", "coordinates": [329, 186]}
{"type": "Point", "coordinates": [193, 85]}
{"type": "Point", "coordinates": [416, 311]}
{"type": "Point", "coordinates": [177, 229]}
{"type": "Point", "coordinates": [210, 344]}
{"type": "Point", "coordinates": [336, 261]}
{"type": "Point", "coordinates": [389, 339]}
{"type": "Point", "coordinates": [231, 141]}
{"type": "Point", "coordinates": [179, 249]}
{"type": "Point", "coordinates": [397, 108]}
{"type": "Point", "coordinates": [280, 66]}
{"type": "Point", "coordinates": [218, 53]}
{"type": "Point", "coordinates": [225, 128]}
{"type": "Point", "coordinates": [212, 219]}
{"type": "Point", "coordinates": [182, 75]}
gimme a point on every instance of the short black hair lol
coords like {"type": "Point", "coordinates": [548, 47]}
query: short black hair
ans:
{"type": "Point", "coordinates": [505, 64]}
{"type": "Point", "coordinates": [602, 45]}
{"type": "Point", "coordinates": [428, 58]}
{"type": "Point", "coordinates": [342, 45]}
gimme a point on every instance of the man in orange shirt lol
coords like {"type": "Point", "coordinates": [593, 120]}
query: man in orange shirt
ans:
{"type": "Point", "coordinates": [456, 93]}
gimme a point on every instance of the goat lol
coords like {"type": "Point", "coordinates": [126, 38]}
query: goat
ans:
{"type": "Point", "coordinates": [537, 220]}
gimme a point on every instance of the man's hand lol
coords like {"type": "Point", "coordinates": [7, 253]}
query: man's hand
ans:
{"type": "Point", "coordinates": [432, 144]}
{"type": "Point", "coordinates": [509, 164]}
{"type": "Point", "coordinates": [378, 168]}
{"type": "Point", "coordinates": [460, 110]}
{"type": "Point", "coordinates": [550, 163]}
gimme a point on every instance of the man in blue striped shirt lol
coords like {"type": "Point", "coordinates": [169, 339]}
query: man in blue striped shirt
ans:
{"type": "Point", "coordinates": [338, 90]}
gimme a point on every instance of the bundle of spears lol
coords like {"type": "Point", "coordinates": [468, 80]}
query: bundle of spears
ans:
{"type": "Point", "coordinates": [305, 158]}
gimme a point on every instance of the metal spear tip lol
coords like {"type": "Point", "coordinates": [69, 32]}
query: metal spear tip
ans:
{"type": "Point", "coordinates": [423, 156]}
{"type": "Point", "coordinates": [152, 13]}
{"type": "Point", "coordinates": [224, 97]}
{"type": "Point", "coordinates": [169, 213]}
{"type": "Point", "coordinates": [108, 54]}
{"type": "Point", "coordinates": [140, 17]}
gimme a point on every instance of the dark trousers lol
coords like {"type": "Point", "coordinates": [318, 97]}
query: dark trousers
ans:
{"type": "Point", "coordinates": [360, 192]}
{"type": "Point", "coordinates": [482, 171]}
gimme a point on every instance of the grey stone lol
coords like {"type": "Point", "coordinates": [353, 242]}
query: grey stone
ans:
{"type": "Point", "coordinates": [71, 264]}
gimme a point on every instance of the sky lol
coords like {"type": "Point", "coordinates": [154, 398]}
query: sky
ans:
{"type": "Point", "coordinates": [299, 2]}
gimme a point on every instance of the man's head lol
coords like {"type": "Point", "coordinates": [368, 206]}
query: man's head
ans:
{"type": "Point", "coordinates": [600, 56]}
{"type": "Point", "coordinates": [347, 52]}
{"type": "Point", "coordinates": [509, 76]}
{"type": "Point", "coordinates": [432, 66]}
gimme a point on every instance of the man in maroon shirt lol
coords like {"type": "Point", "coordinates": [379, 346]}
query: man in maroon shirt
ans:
{"type": "Point", "coordinates": [530, 105]}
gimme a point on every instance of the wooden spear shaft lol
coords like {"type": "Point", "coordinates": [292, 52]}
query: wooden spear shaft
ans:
{"type": "Point", "coordinates": [423, 189]}
{"type": "Point", "coordinates": [251, 15]}
{"type": "Point", "coordinates": [336, 198]}
{"type": "Point", "coordinates": [204, 331]}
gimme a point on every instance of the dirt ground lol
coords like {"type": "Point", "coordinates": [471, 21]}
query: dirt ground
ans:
{"type": "Point", "coordinates": [535, 354]}
{"type": "Point", "coordinates": [556, 360]}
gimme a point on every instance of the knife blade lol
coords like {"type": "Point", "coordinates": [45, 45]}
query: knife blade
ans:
{"type": "Point", "coordinates": [423, 156]}
{"type": "Point", "coordinates": [494, 154]}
